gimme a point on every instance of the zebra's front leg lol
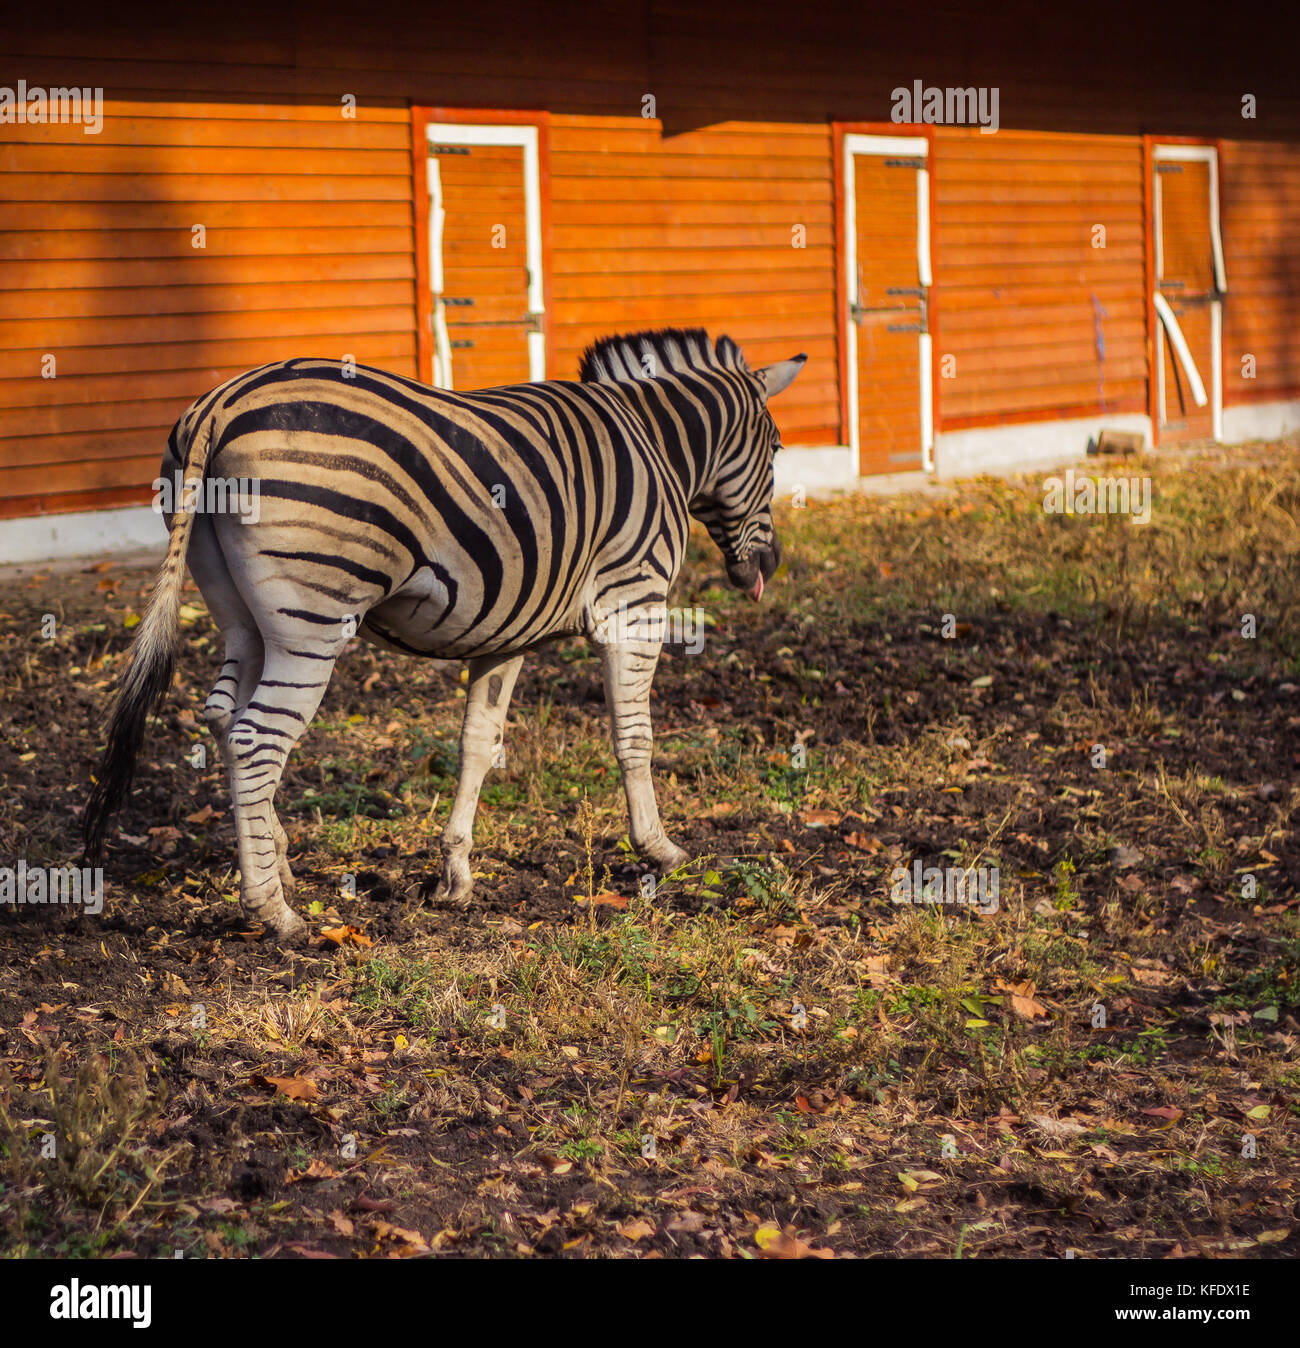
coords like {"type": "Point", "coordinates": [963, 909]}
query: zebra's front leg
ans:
{"type": "Point", "coordinates": [491, 682]}
{"type": "Point", "coordinates": [629, 669]}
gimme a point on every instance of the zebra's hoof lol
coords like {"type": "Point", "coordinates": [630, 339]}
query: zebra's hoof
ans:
{"type": "Point", "coordinates": [456, 884]}
{"type": "Point", "coordinates": [289, 929]}
{"type": "Point", "coordinates": [666, 856]}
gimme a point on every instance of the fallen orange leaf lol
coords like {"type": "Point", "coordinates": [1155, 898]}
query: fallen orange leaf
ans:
{"type": "Point", "coordinates": [296, 1088]}
{"type": "Point", "coordinates": [775, 1243]}
{"type": "Point", "coordinates": [342, 935]}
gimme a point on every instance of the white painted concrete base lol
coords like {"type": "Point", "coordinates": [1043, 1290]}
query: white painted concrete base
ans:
{"type": "Point", "coordinates": [1026, 447]}
{"type": "Point", "coordinates": [1261, 421]}
{"type": "Point", "coordinates": [92, 533]}
{"type": "Point", "coordinates": [814, 469]}
{"type": "Point", "coordinates": [995, 449]}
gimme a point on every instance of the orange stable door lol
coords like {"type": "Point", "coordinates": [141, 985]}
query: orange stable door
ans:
{"type": "Point", "coordinates": [1188, 297]}
{"type": "Point", "coordinates": [887, 257]}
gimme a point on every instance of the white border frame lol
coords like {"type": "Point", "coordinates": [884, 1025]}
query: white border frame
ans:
{"type": "Point", "coordinates": [911, 147]}
{"type": "Point", "coordinates": [459, 133]}
{"type": "Point", "coordinates": [1191, 154]}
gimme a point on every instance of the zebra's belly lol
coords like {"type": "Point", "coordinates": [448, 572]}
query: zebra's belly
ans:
{"type": "Point", "coordinates": [427, 618]}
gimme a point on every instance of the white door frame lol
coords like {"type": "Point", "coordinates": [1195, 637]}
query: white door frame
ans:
{"type": "Point", "coordinates": [911, 147]}
{"type": "Point", "coordinates": [1167, 322]}
{"type": "Point", "coordinates": [458, 133]}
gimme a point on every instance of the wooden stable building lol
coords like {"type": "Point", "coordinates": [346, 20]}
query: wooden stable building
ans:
{"type": "Point", "coordinates": [995, 232]}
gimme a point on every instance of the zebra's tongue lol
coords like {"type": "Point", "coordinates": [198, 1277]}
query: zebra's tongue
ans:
{"type": "Point", "coordinates": [757, 592]}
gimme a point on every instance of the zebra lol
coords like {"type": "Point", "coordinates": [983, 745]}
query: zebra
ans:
{"type": "Point", "coordinates": [467, 526]}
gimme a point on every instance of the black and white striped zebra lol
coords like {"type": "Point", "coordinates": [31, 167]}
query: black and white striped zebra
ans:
{"type": "Point", "coordinates": [454, 525]}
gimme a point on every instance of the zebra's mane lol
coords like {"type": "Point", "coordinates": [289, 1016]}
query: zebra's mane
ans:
{"type": "Point", "coordinates": [655, 352]}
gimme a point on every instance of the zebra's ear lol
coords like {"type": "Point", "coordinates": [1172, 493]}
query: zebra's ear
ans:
{"type": "Point", "coordinates": [780, 376]}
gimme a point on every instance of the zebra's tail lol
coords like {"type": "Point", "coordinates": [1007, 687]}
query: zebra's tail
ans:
{"type": "Point", "coordinates": [153, 661]}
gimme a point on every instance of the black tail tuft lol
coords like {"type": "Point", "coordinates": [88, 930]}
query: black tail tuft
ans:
{"type": "Point", "coordinates": [143, 688]}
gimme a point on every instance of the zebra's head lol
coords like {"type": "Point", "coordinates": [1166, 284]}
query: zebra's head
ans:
{"type": "Point", "coordinates": [729, 433]}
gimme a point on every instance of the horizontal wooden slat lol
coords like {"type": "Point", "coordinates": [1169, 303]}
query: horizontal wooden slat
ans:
{"type": "Point", "coordinates": [198, 274]}
{"type": "Point", "coordinates": [198, 299]}
{"type": "Point", "coordinates": [720, 166]}
{"type": "Point", "coordinates": [215, 129]}
{"type": "Point", "coordinates": [577, 238]}
{"type": "Point", "coordinates": [809, 212]}
{"type": "Point", "coordinates": [131, 214]}
{"type": "Point", "coordinates": [586, 261]}
{"type": "Point", "coordinates": [60, 244]}
{"type": "Point", "coordinates": [88, 156]}
{"type": "Point", "coordinates": [328, 327]}
{"type": "Point", "coordinates": [216, 188]}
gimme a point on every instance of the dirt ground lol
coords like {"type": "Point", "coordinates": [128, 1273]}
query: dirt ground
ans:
{"type": "Point", "coordinates": [763, 1054]}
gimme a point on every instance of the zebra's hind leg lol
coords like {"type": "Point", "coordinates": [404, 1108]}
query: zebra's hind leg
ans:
{"type": "Point", "coordinates": [259, 740]}
{"type": "Point", "coordinates": [629, 670]}
{"type": "Point", "coordinates": [229, 697]}
{"type": "Point", "coordinates": [242, 667]}
{"type": "Point", "coordinates": [491, 682]}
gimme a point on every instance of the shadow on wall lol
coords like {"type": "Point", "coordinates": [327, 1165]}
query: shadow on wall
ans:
{"type": "Point", "coordinates": [184, 243]}
{"type": "Point", "coordinates": [1260, 205]}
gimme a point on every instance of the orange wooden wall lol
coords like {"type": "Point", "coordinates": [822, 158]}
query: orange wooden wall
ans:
{"type": "Point", "coordinates": [730, 228]}
{"type": "Point", "coordinates": [309, 250]}
{"type": "Point", "coordinates": [1017, 274]}
{"type": "Point", "coordinates": [1259, 193]}
{"type": "Point", "coordinates": [311, 239]}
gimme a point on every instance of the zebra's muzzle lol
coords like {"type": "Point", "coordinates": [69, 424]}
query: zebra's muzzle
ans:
{"type": "Point", "coordinates": [753, 572]}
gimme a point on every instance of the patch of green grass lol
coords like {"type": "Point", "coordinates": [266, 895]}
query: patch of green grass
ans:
{"type": "Point", "coordinates": [398, 989]}
{"type": "Point", "coordinates": [1275, 982]}
{"type": "Point", "coordinates": [345, 801]}
{"type": "Point", "coordinates": [1065, 888]}
{"type": "Point", "coordinates": [623, 950]}
{"type": "Point", "coordinates": [770, 887]}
